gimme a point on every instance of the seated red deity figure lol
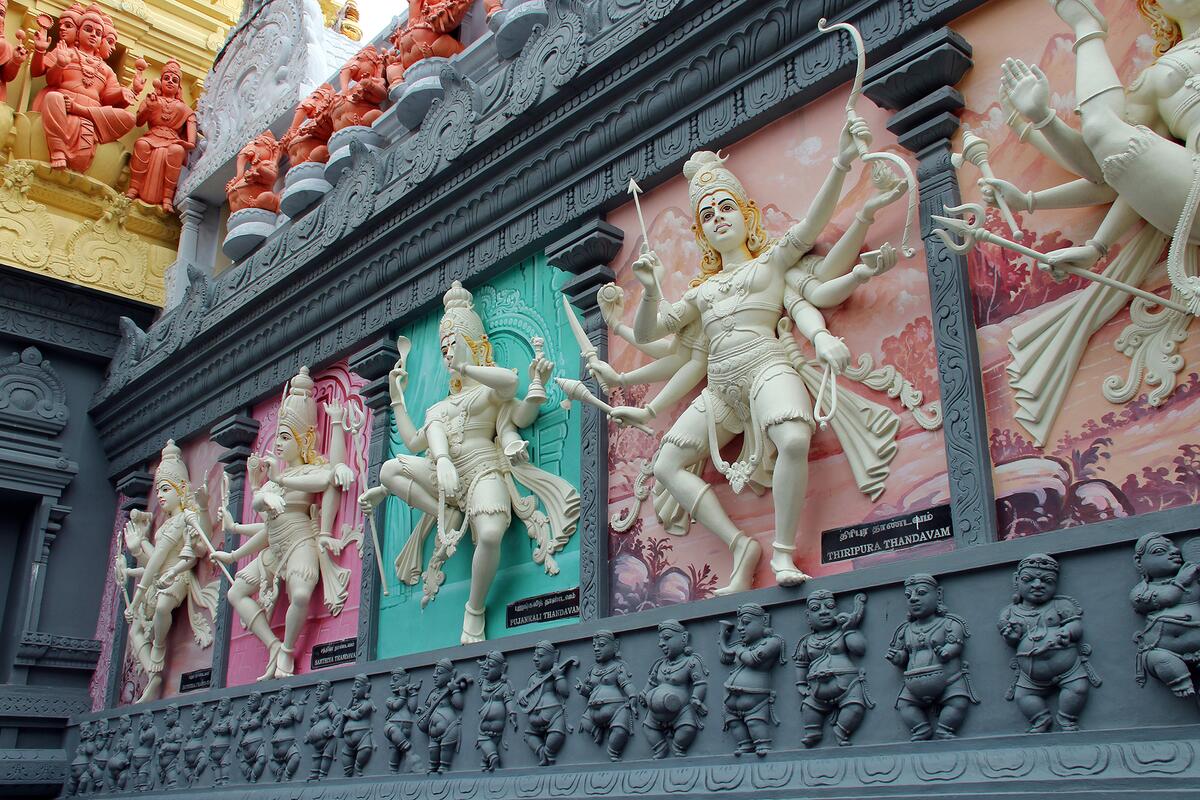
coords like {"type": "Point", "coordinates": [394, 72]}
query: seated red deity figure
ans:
{"type": "Point", "coordinates": [160, 153]}
{"type": "Point", "coordinates": [427, 33]}
{"type": "Point", "coordinates": [68, 27]}
{"type": "Point", "coordinates": [257, 171]}
{"type": "Point", "coordinates": [308, 137]}
{"type": "Point", "coordinates": [86, 105]}
{"type": "Point", "coordinates": [363, 90]}
{"type": "Point", "coordinates": [11, 58]}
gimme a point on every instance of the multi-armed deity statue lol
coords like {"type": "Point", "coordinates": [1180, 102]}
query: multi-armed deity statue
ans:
{"type": "Point", "coordinates": [257, 170]}
{"type": "Point", "coordinates": [293, 543]}
{"type": "Point", "coordinates": [474, 453]}
{"type": "Point", "coordinates": [167, 568]}
{"type": "Point", "coordinates": [84, 104]}
{"type": "Point", "coordinates": [428, 32]}
{"type": "Point", "coordinates": [308, 137]}
{"type": "Point", "coordinates": [159, 154]}
{"type": "Point", "coordinates": [11, 58]}
{"type": "Point", "coordinates": [363, 90]}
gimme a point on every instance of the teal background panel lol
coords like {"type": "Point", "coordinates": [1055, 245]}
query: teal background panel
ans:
{"type": "Point", "coordinates": [522, 303]}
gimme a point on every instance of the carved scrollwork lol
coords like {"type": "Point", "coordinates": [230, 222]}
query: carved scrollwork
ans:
{"type": "Point", "coordinates": [555, 53]}
{"type": "Point", "coordinates": [32, 394]}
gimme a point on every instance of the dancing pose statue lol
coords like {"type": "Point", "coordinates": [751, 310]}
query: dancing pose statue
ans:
{"type": "Point", "coordinates": [749, 696]}
{"type": "Point", "coordinates": [294, 543]}
{"type": "Point", "coordinates": [440, 718]}
{"type": "Point", "coordinates": [831, 682]}
{"type": "Point", "coordinates": [358, 744]}
{"type": "Point", "coordinates": [474, 458]}
{"type": "Point", "coordinates": [401, 711]}
{"type": "Point", "coordinates": [167, 570]}
{"type": "Point", "coordinates": [326, 721]}
{"type": "Point", "coordinates": [1168, 595]}
{"type": "Point", "coordinates": [252, 748]}
{"type": "Point", "coordinates": [284, 714]}
{"type": "Point", "coordinates": [224, 729]}
{"type": "Point", "coordinates": [610, 695]}
{"type": "Point", "coordinates": [674, 694]}
{"type": "Point", "coordinates": [544, 700]}
{"type": "Point", "coordinates": [929, 649]}
{"type": "Point", "coordinates": [496, 709]}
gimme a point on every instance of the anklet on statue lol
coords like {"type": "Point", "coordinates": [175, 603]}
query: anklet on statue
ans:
{"type": "Point", "coordinates": [789, 575]}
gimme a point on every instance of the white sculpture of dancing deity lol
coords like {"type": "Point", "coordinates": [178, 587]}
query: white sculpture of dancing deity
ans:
{"type": "Point", "coordinates": [294, 542]}
{"type": "Point", "coordinates": [167, 569]}
{"type": "Point", "coordinates": [734, 328]}
{"type": "Point", "coordinates": [1136, 149]}
{"type": "Point", "coordinates": [473, 453]}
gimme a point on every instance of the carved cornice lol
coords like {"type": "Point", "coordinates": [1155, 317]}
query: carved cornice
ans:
{"type": "Point", "coordinates": [582, 109]}
{"type": "Point", "coordinates": [135, 488]}
{"type": "Point", "coordinates": [43, 702]}
{"type": "Point", "coordinates": [32, 396]}
{"type": "Point", "coordinates": [592, 244]}
{"type": "Point", "coordinates": [38, 649]}
{"type": "Point", "coordinates": [32, 769]}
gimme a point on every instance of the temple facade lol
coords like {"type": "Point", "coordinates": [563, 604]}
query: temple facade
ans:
{"type": "Point", "coordinates": [553, 398]}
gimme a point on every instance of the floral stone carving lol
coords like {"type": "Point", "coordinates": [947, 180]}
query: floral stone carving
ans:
{"type": "Point", "coordinates": [474, 458]}
{"type": "Point", "coordinates": [290, 545]}
{"type": "Point", "coordinates": [160, 153]}
{"type": "Point", "coordinates": [496, 707]}
{"type": "Point", "coordinates": [544, 701]}
{"type": "Point", "coordinates": [929, 648]}
{"type": "Point", "coordinates": [611, 696]}
{"type": "Point", "coordinates": [675, 693]}
{"type": "Point", "coordinates": [1047, 632]}
{"type": "Point", "coordinates": [831, 681]}
{"type": "Point", "coordinates": [749, 696]}
{"type": "Point", "coordinates": [167, 569]}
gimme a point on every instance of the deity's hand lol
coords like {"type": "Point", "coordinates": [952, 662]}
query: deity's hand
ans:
{"type": "Point", "coordinates": [130, 96]}
{"type": "Point", "coordinates": [225, 558]}
{"type": "Point", "coordinates": [603, 372]}
{"type": "Point", "coordinates": [876, 262]}
{"type": "Point", "coordinates": [331, 543]}
{"type": "Point", "coordinates": [41, 40]}
{"type": "Point", "coordinates": [611, 299]}
{"type": "Point", "coordinates": [831, 350]}
{"type": "Point", "coordinates": [68, 105]}
{"type": "Point", "coordinates": [226, 520]}
{"type": "Point", "coordinates": [447, 476]}
{"type": "Point", "coordinates": [700, 707]}
{"type": "Point", "coordinates": [944, 653]}
{"type": "Point", "coordinates": [540, 369]}
{"type": "Point", "coordinates": [1084, 257]}
{"type": "Point", "coordinates": [855, 130]}
{"type": "Point", "coordinates": [20, 53]}
{"type": "Point", "coordinates": [990, 189]}
{"type": "Point", "coordinates": [336, 413]}
{"type": "Point", "coordinates": [631, 415]}
{"type": "Point", "coordinates": [128, 615]}
{"type": "Point", "coordinates": [343, 476]}
{"type": "Point", "coordinates": [274, 504]}
{"type": "Point", "coordinates": [1027, 88]}
{"type": "Point", "coordinates": [894, 655]}
{"type": "Point", "coordinates": [397, 380]}
{"type": "Point", "coordinates": [164, 581]}
{"type": "Point", "coordinates": [1012, 630]}
{"type": "Point", "coordinates": [1080, 14]}
{"type": "Point", "coordinates": [1188, 573]}
{"type": "Point", "coordinates": [884, 198]}
{"type": "Point", "coordinates": [648, 269]}
{"type": "Point", "coordinates": [371, 498]}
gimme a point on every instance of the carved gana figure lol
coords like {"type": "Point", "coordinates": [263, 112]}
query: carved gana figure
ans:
{"type": "Point", "coordinates": [1168, 595]}
{"type": "Point", "coordinates": [326, 722]}
{"type": "Point", "coordinates": [733, 327]}
{"type": "Point", "coordinates": [252, 747]}
{"type": "Point", "coordinates": [474, 458]}
{"type": "Point", "coordinates": [224, 729]}
{"type": "Point", "coordinates": [831, 683]}
{"type": "Point", "coordinates": [159, 154]}
{"type": "Point", "coordinates": [195, 754]}
{"type": "Point", "coordinates": [167, 569]}
{"type": "Point", "coordinates": [11, 58]}
{"type": "Point", "coordinates": [929, 648]}
{"type": "Point", "coordinates": [143, 752]}
{"type": "Point", "coordinates": [84, 105]}
{"type": "Point", "coordinates": [749, 696]}
{"type": "Point", "coordinates": [308, 137]}
{"type": "Point", "coordinates": [496, 709]}
{"type": "Point", "coordinates": [358, 745]}
{"type": "Point", "coordinates": [285, 712]}
{"type": "Point", "coordinates": [440, 718]}
{"type": "Point", "coordinates": [544, 700]}
{"type": "Point", "coordinates": [401, 713]}
{"type": "Point", "coordinates": [293, 543]}
{"type": "Point", "coordinates": [674, 693]}
{"type": "Point", "coordinates": [1047, 631]}
{"type": "Point", "coordinates": [610, 695]}
{"type": "Point", "coordinates": [363, 90]}
{"type": "Point", "coordinates": [257, 170]}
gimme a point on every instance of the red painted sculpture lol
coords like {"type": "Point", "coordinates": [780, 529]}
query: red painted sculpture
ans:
{"type": "Point", "coordinates": [160, 153]}
{"type": "Point", "coordinates": [11, 57]}
{"type": "Point", "coordinates": [363, 90]}
{"type": "Point", "coordinates": [428, 32]}
{"type": "Point", "coordinates": [257, 171]}
{"type": "Point", "coordinates": [68, 27]}
{"type": "Point", "coordinates": [308, 138]}
{"type": "Point", "coordinates": [85, 105]}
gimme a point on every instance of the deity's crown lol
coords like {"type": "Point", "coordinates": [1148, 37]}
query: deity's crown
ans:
{"type": "Point", "coordinates": [74, 12]}
{"type": "Point", "coordinates": [171, 468]}
{"type": "Point", "coordinates": [460, 316]}
{"type": "Point", "coordinates": [1038, 561]}
{"type": "Point", "coordinates": [172, 66]}
{"type": "Point", "coordinates": [921, 578]}
{"type": "Point", "coordinates": [298, 409]}
{"type": "Point", "coordinates": [94, 12]}
{"type": "Point", "coordinates": [706, 173]}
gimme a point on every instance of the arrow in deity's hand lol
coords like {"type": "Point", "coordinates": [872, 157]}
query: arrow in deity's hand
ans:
{"type": "Point", "coordinates": [636, 191]}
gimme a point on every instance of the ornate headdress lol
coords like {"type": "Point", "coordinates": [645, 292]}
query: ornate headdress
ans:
{"type": "Point", "coordinates": [706, 173]}
{"type": "Point", "coordinates": [460, 319]}
{"type": "Point", "coordinates": [921, 578]}
{"type": "Point", "coordinates": [1165, 30]}
{"type": "Point", "coordinates": [172, 471]}
{"type": "Point", "coordinates": [1038, 561]}
{"type": "Point", "coordinates": [819, 594]}
{"type": "Point", "coordinates": [72, 14]}
{"type": "Point", "coordinates": [173, 66]}
{"type": "Point", "coordinates": [545, 646]}
{"type": "Point", "coordinates": [605, 635]}
{"type": "Point", "coordinates": [494, 657]}
{"type": "Point", "coordinates": [754, 610]}
{"type": "Point", "coordinates": [298, 413]}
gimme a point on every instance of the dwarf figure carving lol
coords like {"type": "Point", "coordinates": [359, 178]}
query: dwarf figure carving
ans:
{"type": "Point", "coordinates": [169, 748]}
{"type": "Point", "coordinates": [357, 742]}
{"type": "Point", "coordinates": [224, 728]}
{"type": "Point", "coordinates": [401, 708]}
{"type": "Point", "coordinates": [160, 153]}
{"type": "Point", "coordinates": [610, 695]}
{"type": "Point", "coordinates": [257, 170]}
{"type": "Point", "coordinates": [323, 732]}
{"type": "Point", "coordinates": [308, 137]}
{"type": "Point", "coordinates": [1047, 631]}
{"type": "Point", "coordinates": [195, 754]}
{"type": "Point", "coordinates": [143, 752]}
{"type": "Point", "coordinates": [428, 32]}
{"type": "Point", "coordinates": [674, 693]}
{"type": "Point", "coordinates": [496, 708]}
{"type": "Point", "coordinates": [76, 778]}
{"type": "Point", "coordinates": [120, 755]}
{"type": "Point", "coordinates": [929, 648]}
{"type": "Point", "coordinates": [1168, 595]}
{"type": "Point", "coordinates": [363, 90]}
{"type": "Point", "coordinates": [544, 700]}
{"type": "Point", "coordinates": [831, 683]}
{"type": "Point", "coordinates": [252, 747]}
{"type": "Point", "coordinates": [749, 696]}
{"type": "Point", "coordinates": [284, 715]}
{"type": "Point", "coordinates": [98, 768]}
{"type": "Point", "coordinates": [440, 718]}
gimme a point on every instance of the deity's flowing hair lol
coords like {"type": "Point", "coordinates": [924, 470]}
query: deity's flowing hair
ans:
{"type": "Point", "coordinates": [757, 240]}
{"type": "Point", "coordinates": [1165, 30]}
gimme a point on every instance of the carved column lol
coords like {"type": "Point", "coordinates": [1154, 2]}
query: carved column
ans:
{"type": "Point", "coordinates": [373, 362]}
{"type": "Point", "coordinates": [191, 216]}
{"type": "Point", "coordinates": [236, 434]}
{"type": "Point", "coordinates": [918, 83]}
{"type": "Point", "coordinates": [586, 252]}
{"type": "Point", "coordinates": [135, 488]}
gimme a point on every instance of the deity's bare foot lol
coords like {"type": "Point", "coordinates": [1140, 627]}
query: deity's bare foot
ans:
{"type": "Point", "coordinates": [786, 573]}
{"type": "Point", "coordinates": [474, 626]}
{"type": "Point", "coordinates": [1079, 14]}
{"type": "Point", "coordinates": [746, 553]}
{"type": "Point", "coordinates": [272, 660]}
{"type": "Point", "coordinates": [285, 665]}
{"type": "Point", "coordinates": [152, 689]}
